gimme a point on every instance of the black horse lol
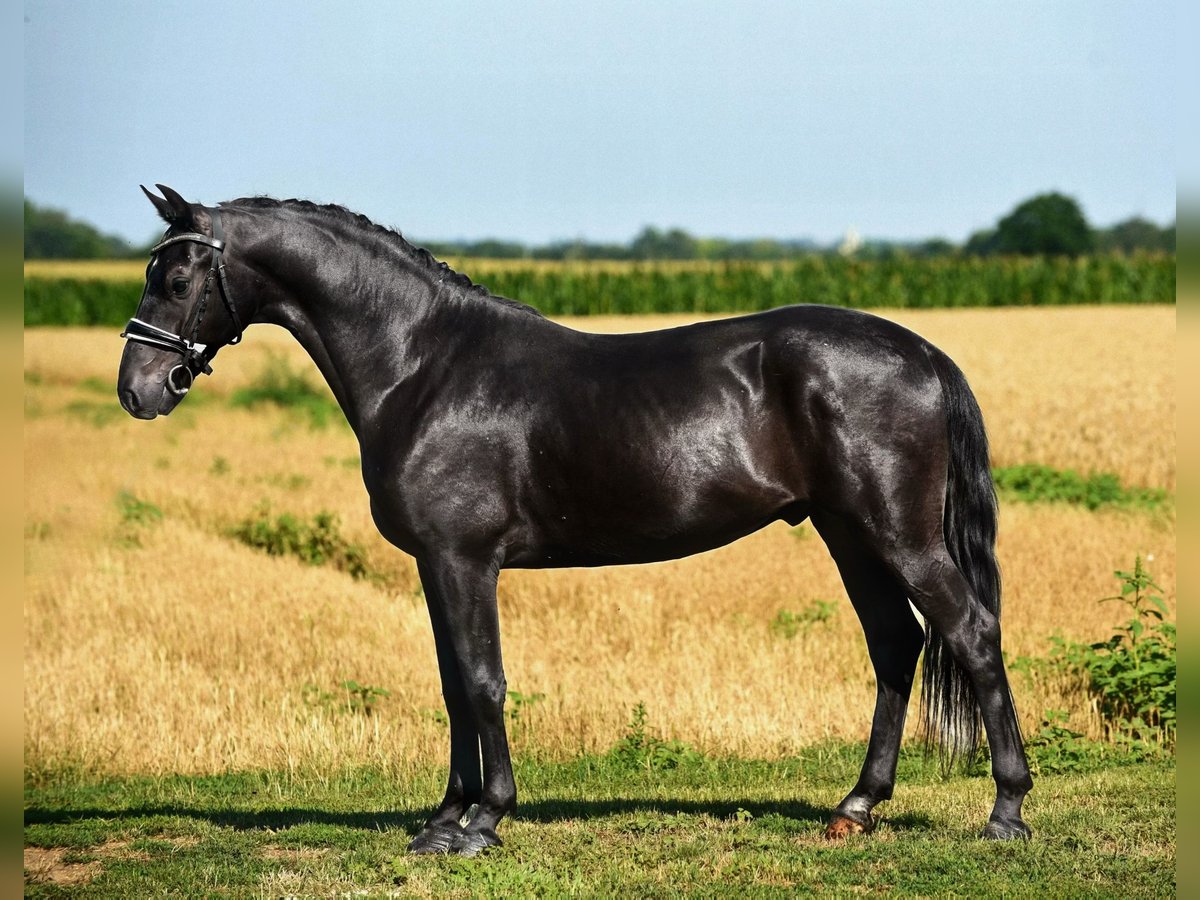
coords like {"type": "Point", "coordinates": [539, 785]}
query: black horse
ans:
{"type": "Point", "coordinates": [493, 438]}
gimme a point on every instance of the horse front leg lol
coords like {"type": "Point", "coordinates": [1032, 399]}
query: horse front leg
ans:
{"type": "Point", "coordinates": [464, 787]}
{"type": "Point", "coordinates": [894, 641]}
{"type": "Point", "coordinates": [461, 593]}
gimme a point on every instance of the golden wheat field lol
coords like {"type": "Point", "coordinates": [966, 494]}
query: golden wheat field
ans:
{"type": "Point", "coordinates": [166, 646]}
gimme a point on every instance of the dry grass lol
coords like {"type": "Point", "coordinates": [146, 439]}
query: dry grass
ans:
{"type": "Point", "coordinates": [186, 652]}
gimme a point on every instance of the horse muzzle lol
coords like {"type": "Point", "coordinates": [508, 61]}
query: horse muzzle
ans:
{"type": "Point", "coordinates": [153, 386]}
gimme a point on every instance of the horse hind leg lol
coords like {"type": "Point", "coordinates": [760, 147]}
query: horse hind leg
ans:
{"type": "Point", "coordinates": [894, 641]}
{"type": "Point", "coordinates": [971, 633]}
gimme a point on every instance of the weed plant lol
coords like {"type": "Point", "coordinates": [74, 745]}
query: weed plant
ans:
{"type": "Point", "coordinates": [1131, 677]}
{"type": "Point", "coordinates": [639, 749]}
{"type": "Point", "coordinates": [1132, 673]}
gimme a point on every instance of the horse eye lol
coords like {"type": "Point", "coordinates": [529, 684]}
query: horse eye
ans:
{"type": "Point", "coordinates": [179, 285]}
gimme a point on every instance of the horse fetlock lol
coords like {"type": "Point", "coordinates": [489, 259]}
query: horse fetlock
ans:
{"type": "Point", "coordinates": [497, 803]}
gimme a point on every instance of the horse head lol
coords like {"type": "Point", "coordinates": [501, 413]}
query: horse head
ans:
{"type": "Point", "coordinates": [176, 330]}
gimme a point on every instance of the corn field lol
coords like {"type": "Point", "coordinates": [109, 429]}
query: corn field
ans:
{"type": "Point", "coordinates": [105, 293]}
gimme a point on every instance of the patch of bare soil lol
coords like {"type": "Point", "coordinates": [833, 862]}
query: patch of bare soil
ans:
{"type": "Point", "coordinates": [45, 866]}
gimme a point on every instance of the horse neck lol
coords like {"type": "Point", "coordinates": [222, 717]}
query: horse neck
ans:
{"type": "Point", "coordinates": [352, 301]}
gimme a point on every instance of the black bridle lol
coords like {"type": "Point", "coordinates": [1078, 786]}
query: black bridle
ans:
{"type": "Point", "coordinates": [196, 356]}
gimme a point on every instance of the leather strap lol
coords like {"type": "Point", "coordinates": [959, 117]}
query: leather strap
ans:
{"type": "Point", "coordinates": [195, 355]}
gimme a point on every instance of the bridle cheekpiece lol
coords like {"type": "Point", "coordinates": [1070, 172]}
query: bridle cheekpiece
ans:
{"type": "Point", "coordinates": [196, 356]}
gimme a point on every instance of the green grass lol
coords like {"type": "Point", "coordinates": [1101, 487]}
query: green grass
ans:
{"type": "Point", "coordinates": [281, 386]}
{"type": "Point", "coordinates": [317, 542]}
{"type": "Point", "coordinates": [597, 827]}
{"type": "Point", "coordinates": [1035, 483]}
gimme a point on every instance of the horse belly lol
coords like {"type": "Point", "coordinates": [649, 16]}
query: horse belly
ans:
{"type": "Point", "coordinates": [630, 513]}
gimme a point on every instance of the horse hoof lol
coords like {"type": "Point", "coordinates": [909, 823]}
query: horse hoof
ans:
{"type": "Point", "coordinates": [841, 827]}
{"type": "Point", "coordinates": [472, 843]}
{"type": "Point", "coordinates": [1006, 830]}
{"type": "Point", "coordinates": [435, 839]}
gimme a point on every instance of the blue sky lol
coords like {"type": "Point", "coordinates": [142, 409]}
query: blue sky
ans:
{"type": "Point", "coordinates": [541, 121]}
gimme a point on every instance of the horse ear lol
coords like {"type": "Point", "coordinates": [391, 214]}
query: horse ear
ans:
{"type": "Point", "coordinates": [174, 210]}
{"type": "Point", "coordinates": [163, 207]}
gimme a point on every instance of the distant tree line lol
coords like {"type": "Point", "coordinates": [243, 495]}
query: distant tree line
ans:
{"type": "Point", "coordinates": [53, 234]}
{"type": "Point", "coordinates": [1054, 225]}
{"type": "Point", "coordinates": [1046, 225]}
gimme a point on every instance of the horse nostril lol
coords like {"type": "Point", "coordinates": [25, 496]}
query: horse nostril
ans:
{"type": "Point", "coordinates": [129, 398]}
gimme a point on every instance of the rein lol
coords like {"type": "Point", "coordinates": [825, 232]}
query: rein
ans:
{"type": "Point", "coordinates": [196, 356]}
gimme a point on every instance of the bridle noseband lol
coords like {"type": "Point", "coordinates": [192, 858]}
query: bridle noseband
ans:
{"type": "Point", "coordinates": [196, 356]}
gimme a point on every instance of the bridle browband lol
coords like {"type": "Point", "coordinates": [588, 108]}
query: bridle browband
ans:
{"type": "Point", "coordinates": [196, 356]}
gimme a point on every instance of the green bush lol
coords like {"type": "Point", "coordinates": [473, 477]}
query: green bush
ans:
{"type": "Point", "coordinates": [318, 542]}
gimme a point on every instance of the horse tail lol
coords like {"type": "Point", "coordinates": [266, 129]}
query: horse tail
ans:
{"type": "Point", "coordinates": [949, 709]}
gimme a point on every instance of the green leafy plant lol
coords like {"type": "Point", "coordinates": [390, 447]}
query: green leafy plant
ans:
{"type": "Point", "coordinates": [1056, 749]}
{"type": "Point", "coordinates": [639, 749]}
{"type": "Point", "coordinates": [518, 703]}
{"type": "Point", "coordinates": [787, 624]}
{"type": "Point", "coordinates": [316, 542]}
{"type": "Point", "coordinates": [728, 286]}
{"type": "Point", "coordinates": [1131, 677]}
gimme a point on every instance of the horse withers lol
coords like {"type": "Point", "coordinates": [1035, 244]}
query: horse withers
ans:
{"type": "Point", "coordinates": [494, 438]}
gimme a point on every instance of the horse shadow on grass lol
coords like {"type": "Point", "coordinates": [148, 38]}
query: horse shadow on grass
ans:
{"type": "Point", "coordinates": [802, 815]}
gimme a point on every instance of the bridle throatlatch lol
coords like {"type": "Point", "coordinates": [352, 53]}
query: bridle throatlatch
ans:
{"type": "Point", "coordinates": [196, 356]}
